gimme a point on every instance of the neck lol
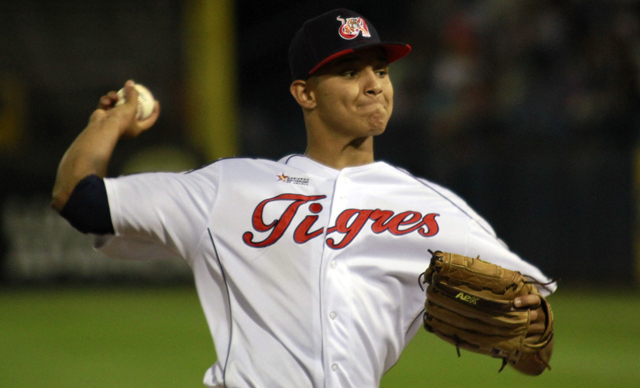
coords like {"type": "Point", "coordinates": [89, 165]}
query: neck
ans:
{"type": "Point", "coordinates": [341, 153]}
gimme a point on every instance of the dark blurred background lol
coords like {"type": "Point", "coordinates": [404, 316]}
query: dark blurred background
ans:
{"type": "Point", "coordinates": [527, 109]}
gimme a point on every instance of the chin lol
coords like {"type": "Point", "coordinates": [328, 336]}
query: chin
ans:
{"type": "Point", "coordinates": [377, 125]}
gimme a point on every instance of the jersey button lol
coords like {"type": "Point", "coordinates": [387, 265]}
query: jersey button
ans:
{"type": "Point", "coordinates": [333, 264]}
{"type": "Point", "coordinates": [333, 315]}
{"type": "Point", "coordinates": [334, 366]}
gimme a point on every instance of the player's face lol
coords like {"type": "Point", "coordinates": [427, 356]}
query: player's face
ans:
{"type": "Point", "coordinates": [354, 94]}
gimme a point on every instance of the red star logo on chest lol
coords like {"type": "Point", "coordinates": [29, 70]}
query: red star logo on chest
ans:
{"type": "Point", "coordinates": [282, 177]}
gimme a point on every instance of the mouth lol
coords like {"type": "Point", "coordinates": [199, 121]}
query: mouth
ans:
{"type": "Point", "coordinates": [372, 105]}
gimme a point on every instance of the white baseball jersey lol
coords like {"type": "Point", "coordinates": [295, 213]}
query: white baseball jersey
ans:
{"type": "Point", "coordinates": [308, 276]}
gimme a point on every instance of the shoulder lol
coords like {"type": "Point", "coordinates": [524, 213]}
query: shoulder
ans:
{"type": "Point", "coordinates": [234, 165]}
{"type": "Point", "coordinates": [237, 172]}
{"type": "Point", "coordinates": [448, 196]}
{"type": "Point", "coordinates": [429, 185]}
{"type": "Point", "coordinates": [236, 162]}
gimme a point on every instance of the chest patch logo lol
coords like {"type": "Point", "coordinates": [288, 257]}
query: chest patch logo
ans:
{"type": "Point", "coordinates": [293, 180]}
{"type": "Point", "coordinates": [348, 224]}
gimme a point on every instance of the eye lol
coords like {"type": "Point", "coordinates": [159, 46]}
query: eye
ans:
{"type": "Point", "coordinates": [382, 72]}
{"type": "Point", "coordinates": [349, 74]}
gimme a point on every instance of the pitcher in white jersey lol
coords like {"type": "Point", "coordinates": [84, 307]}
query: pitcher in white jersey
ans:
{"type": "Point", "coordinates": [306, 267]}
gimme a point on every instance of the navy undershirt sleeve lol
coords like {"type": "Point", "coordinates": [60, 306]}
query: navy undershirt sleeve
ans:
{"type": "Point", "coordinates": [87, 209]}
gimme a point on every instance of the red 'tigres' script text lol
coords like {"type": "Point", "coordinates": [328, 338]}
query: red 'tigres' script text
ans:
{"type": "Point", "coordinates": [348, 224]}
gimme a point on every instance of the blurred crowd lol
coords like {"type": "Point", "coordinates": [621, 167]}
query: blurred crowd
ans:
{"type": "Point", "coordinates": [493, 77]}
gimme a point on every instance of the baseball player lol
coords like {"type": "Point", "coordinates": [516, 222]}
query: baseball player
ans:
{"type": "Point", "coordinates": [306, 267]}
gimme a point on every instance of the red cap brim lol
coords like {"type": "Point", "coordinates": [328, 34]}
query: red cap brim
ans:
{"type": "Point", "coordinates": [393, 51]}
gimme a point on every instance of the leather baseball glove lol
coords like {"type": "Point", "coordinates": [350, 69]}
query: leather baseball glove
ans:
{"type": "Point", "coordinates": [470, 305]}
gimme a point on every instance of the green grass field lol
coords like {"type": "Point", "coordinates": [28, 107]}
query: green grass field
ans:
{"type": "Point", "coordinates": [157, 337]}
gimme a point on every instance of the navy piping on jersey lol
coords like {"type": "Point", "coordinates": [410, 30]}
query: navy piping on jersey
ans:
{"type": "Point", "coordinates": [437, 192]}
{"type": "Point", "coordinates": [449, 200]}
{"type": "Point", "coordinates": [226, 285]}
{"type": "Point", "coordinates": [434, 190]}
{"type": "Point", "coordinates": [292, 156]}
{"type": "Point", "coordinates": [545, 286]}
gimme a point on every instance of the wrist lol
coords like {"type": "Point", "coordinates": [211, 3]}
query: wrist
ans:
{"type": "Point", "coordinates": [108, 124]}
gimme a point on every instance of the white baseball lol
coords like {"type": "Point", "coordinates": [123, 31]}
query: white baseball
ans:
{"type": "Point", "coordinates": [146, 102]}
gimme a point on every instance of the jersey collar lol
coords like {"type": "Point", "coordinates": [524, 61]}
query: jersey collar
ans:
{"type": "Point", "coordinates": [310, 166]}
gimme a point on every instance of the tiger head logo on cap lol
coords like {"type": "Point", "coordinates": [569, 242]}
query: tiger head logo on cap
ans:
{"type": "Point", "coordinates": [351, 27]}
{"type": "Point", "coordinates": [316, 43]}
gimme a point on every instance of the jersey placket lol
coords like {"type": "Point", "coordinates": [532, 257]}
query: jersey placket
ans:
{"type": "Point", "coordinates": [336, 285]}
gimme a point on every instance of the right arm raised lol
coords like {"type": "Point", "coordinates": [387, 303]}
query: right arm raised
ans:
{"type": "Point", "coordinates": [91, 151]}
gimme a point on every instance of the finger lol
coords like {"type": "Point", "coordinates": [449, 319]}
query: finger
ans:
{"type": "Point", "coordinates": [149, 121]}
{"type": "Point", "coordinates": [129, 106]}
{"type": "Point", "coordinates": [534, 339]}
{"type": "Point", "coordinates": [103, 103]}
{"type": "Point", "coordinates": [108, 101]}
{"type": "Point", "coordinates": [536, 329]}
{"type": "Point", "coordinates": [130, 94]}
{"type": "Point", "coordinates": [528, 301]}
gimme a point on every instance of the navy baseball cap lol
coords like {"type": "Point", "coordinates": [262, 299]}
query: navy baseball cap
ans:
{"type": "Point", "coordinates": [334, 34]}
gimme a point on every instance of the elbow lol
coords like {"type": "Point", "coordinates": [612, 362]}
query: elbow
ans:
{"type": "Point", "coordinates": [59, 198]}
{"type": "Point", "coordinates": [86, 207]}
{"type": "Point", "coordinates": [63, 188]}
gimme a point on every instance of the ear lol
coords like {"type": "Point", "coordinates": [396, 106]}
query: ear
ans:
{"type": "Point", "coordinates": [303, 94]}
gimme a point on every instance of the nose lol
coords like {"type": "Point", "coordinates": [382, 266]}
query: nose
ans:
{"type": "Point", "coordinates": [372, 85]}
